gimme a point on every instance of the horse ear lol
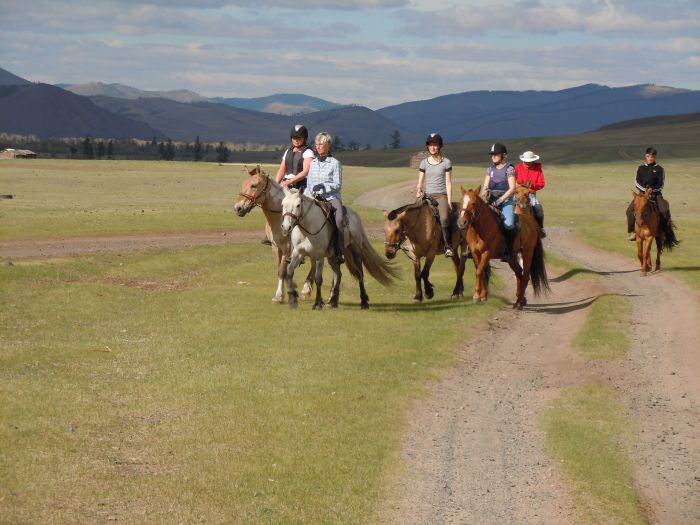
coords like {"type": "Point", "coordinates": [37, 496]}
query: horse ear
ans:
{"type": "Point", "coordinates": [285, 190]}
{"type": "Point", "coordinates": [461, 188]}
{"type": "Point", "coordinates": [386, 214]}
{"type": "Point", "coordinates": [528, 184]}
{"type": "Point", "coordinates": [478, 190]}
{"type": "Point", "coordinates": [258, 170]}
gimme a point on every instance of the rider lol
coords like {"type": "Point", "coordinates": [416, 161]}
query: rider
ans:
{"type": "Point", "coordinates": [499, 186]}
{"type": "Point", "coordinates": [649, 175]}
{"type": "Point", "coordinates": [325, 180]}
{"type": "Point", "coordinates": [531, 171]}
{"type": "Point", "coordinates": [435, 182]}
{"type": "Point", "coordinates": [296, 160]}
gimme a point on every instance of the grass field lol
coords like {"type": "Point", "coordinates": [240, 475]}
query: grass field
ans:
{"type": "Point", "coordinates": [163, 386]}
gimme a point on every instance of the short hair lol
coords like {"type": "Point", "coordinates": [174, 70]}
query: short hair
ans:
{"type": "Point", "coordinates": [651, 150]}
{"type": "Point", "coordinates": [324, 137]}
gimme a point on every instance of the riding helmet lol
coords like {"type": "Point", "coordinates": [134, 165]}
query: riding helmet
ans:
{"type": "Point", "coordinates": [498, 149]}
{"type": "Point", "coordinates": [299, 132]}
{"type": "Point", "coordinates": [434, 138]}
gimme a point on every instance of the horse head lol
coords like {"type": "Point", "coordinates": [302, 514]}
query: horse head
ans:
{"type": "Point", "coordinates": [291, 209]}
{"type": "Point", "coordinates": [522, 198]}
{"type": "Point", "coordinates": [394, 233]}
{"type": "Point", "coordinates": [469, 206]}
{"type": "Point", "coordinates": [642, 205]}
{"type": "Point", "coordinates": [252, 190]}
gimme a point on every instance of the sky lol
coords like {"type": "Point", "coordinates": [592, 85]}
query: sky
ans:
{"type": "Point", "coordinates": [368, 52]}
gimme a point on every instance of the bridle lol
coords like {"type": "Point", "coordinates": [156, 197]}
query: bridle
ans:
{"type": "Point", "coordinates": [399, 245]}
{"type": "Point", "coordinates": [470, 215]}
{"type": "Point", "coordinates": [298, 218]}
{"type": "Point", "coordinates": [253, 199]}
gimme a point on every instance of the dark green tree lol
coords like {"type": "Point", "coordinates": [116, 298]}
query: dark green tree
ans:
{"type": "Point", "coordinates": [110, 149]}
{"type": "Point", "coordinates": [100, 149]}
{"type": "Point", "coordinates": [198, 150]}
{"type": "Point", "coordinates": [88, 152]}
{"type": "Point", "coordinates": [222, 153]}
{"type": "Point", "coordinates": [169, 150]}
{"type": "Point", "coordinates": [395, 140]}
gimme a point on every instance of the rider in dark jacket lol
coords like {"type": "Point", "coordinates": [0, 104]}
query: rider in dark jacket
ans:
{"type": "Point", "coordinates": [649, 175]}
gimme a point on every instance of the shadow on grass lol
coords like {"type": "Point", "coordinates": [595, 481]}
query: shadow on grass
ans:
{"type": "Point", "coordinates": [571, 306]}
{"type": "Point", "coordinates": [571, 273]}
{"type": "Point", "coordinates": [427, 305]}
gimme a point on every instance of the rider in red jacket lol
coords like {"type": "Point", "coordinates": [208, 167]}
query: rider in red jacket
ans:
{"type": "Point", "coordinates": [531, 171]}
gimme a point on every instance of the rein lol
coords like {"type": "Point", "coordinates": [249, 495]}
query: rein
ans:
{"type": "Point", "coordinates": [297, 218]}
{"type": "Point", "coordinates": [399, 245]}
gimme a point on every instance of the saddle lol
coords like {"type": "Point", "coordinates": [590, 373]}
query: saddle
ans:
{"type": "Point", "coordinates": [329, 212]}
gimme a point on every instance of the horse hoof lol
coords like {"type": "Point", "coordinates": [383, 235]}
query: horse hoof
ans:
{"type": "Point", "coordinates": [417, 300]}
{"type": "Point", "coordinates": [455, 296]}
{"type": "Point", "coordinates": [294, 306]}
{"type": "Point", "coordinates": [429, 294]}
{"type": "Point", "coordinates": [317, 306]}
{"type": "Point", "coordinates": [276, 300]}
{"type": "Point", "coordinates": [364, 306]}
{"type": "Point", "coordinates": [333, 304]}
{"type": "Point", "coordinates": [305, 296]}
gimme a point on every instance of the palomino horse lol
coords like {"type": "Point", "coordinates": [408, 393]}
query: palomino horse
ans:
{"type": "Point", "coordinates": [647, 227]}
{"type": "Point", "coordinates": [311, 232]}
{"type": "Point", "coordinates": [529, 245]}
{"type": "Point", "coordinates": [417, 223]}
{"type": "Point", "coordinates": [259, 189]}
{"type": "Point", "coordinates": [486, 241]}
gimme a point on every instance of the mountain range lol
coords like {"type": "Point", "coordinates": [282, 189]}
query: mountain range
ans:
{"type": "Point", "coordinates": [118, 111]}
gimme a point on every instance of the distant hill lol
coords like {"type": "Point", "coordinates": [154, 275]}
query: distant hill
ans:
{"type": "Point", "coordinates": [10, 79]}
{"type": "Point", "coordinates": [675, 136]}
{"type": "Point", "coordinates": [214, 122]}
{"type": "Point", "coordinates": [283, 103]}
{"type": "Point", "coordinates": [47, 111]}
{"type": "Point", "coordinates": [92, 89]}
{"type": "Point", "coordinates": [512, 114]}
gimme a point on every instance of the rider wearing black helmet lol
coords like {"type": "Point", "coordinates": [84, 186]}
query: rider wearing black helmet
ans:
{"type": "Point", "coordinates": [296, 160]}
{"type": "Point", "coordinates": [435, 181]}
{"type": "Point", "coordinates": [499, 187]}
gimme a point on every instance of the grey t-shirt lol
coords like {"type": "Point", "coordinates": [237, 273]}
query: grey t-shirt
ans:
{"type": "Point", "coordinates": [435, 175]}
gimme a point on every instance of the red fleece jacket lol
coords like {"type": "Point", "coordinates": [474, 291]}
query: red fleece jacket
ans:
{"type": "Point", "coordinates": [533, 174]}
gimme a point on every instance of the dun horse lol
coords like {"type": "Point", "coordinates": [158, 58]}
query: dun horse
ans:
{"type": "Point", "coordinates": [311, 233]}
{"type": "Point", "coordinates": [259, 189]}
{"type": "Point", "coordinates": [648, 227]}
{"type": "Point", "coordinates": [417, 224]}
{"type": "Point", "coordinates": [486, 241]}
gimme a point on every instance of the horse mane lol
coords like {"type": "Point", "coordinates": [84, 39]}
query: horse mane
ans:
{"type": "Point", "coordinates": [392, 214]}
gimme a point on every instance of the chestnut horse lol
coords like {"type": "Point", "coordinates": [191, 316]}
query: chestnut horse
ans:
{"type": "Point", "coordinates": [486, 241]}
{"type": "Point", "coordinates": [648, 227]}
{"type": "Point", "coordinates": [259, 189]}
{"type": "Point", "coordinates": [417, 223]}
{"type": "Point", "coordinates": [529, 245]}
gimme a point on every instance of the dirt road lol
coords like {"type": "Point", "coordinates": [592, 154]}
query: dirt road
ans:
{"type": "Point", "coordinates": [473, 453]}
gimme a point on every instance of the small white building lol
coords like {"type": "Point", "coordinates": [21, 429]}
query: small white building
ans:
{"type": "Point", "coordinates": [11, 153]}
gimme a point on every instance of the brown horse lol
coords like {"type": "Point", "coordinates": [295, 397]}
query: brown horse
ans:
{"type": "Point", "coordinates": [529, 245]}
{"type": "Point", "coordinates": [259, 189]}
{"type": "Point", "coordinates": [417, 223]}
{"type": "Point", "coordinates": [648, 227]}
{"type": "Point", "coordinates": [486, 241]}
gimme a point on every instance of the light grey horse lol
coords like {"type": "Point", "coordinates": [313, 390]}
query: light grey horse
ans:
{"type": "Point", "coordinates": [311, 233]}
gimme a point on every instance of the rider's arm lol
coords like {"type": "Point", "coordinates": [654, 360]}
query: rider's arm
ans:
{"type": "Point", "coordinates": [485, 186]}
{"type": "Point", "coordinates": [304, 171]}
{"type": "Point", "coordinates": [511, 188]}
{"type": "Point", "coordinates": [448, 187]}
{"type": "Point", "coordinates": [421, 182]}
{"type": "Point", "coordinates": [281, 170]}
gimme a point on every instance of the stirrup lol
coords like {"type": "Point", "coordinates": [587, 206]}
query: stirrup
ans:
{"type": "Point", "coordinates": [632, 237]}
{"type": "Point", "coordinates": [448, 252]}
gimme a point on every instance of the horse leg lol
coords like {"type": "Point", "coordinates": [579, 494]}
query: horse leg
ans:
{"type": "Point", "coordinates": [359, 274]}
{"type": "Point", "coordinates": [281, 275]}
{"type": "Point", "coordinates": [640, 254]}
{"type": "Point", "coordinates": [481, 291]}
{"type": "Point", "coordinates": [291, 287]}
{"type": "Point", "coordinates": [417, 275]}
{"type": "Point", "coordinates": [318, 278]}
{"type": "Point", "coordinates": [524, 278]}
{"type": "Point", "coordinates": [647, 255]}
{"type": "Point", "coordinates": [335, 290]}
{"type": "Point", "coordinates": [308, 283]}
{"type": "Point", "coordinates": [458, 264]}
{"type": "Point", "coordinates": [659, 248]}
{"type": "Point", "coordinates": [425, 274]}
{"type": "Point", "coordinates": [519, 284]}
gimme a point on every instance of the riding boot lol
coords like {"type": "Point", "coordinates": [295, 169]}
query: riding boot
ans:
{"type": "Point", "coordinates": [340, 246]}
{"type": "Point", "coordinates": [630, 223]}
{"type": "Point", "coordinates": [446, 239]}
{"type": "Point", "coordinates": [540, 224]}
{"type": "Point", "coordinates": [508, 237]}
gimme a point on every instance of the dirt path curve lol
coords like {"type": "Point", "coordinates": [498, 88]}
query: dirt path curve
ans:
{"type": "Point", "coordinates": [473, 453]}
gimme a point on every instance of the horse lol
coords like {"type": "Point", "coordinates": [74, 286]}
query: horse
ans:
{"type": "Point", "coordinates": [311, 231]}
{"type": "Point", "coordinates": [648, 227]}
{"type": "Point", "coordinates": [417, 224]}
{"type": "Point", "coordinates": [528, 244]}
{"type": "Point", "coordinates": [259, 189]}
{"type": "Point", "coordinates": [486, 241]}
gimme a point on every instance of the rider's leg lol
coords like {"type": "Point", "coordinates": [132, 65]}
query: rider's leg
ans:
{"type": "Point", "coordinates": [630, 222]}
{"type": "Point", "coordinates": [340, 238]}
{"type": "Point", "coordinates": [508, 210]}
{"type": "Point", "coordinates": [444, 211]}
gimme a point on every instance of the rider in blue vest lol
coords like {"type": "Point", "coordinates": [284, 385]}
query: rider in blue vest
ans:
{"type": "Point", "coordinates": [498, 190]}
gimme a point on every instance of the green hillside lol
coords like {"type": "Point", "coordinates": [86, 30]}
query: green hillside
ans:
{"type": "Point", "coordinates": [674, 137]}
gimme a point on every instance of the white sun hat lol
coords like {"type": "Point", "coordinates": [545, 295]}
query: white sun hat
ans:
{"type": "Point", "coordinates": [529, 156]}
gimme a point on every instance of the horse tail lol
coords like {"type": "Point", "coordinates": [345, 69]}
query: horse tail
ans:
{"type": "Point", "coordinates": [538, 270]}
{"type": "Point", "coordinates": [376, 265]}
{"type": "Point", "coordinates": [669, 239]}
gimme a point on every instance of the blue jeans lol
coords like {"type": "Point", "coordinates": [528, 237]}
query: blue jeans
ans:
{"type": "Point", "coordinates": [508, 211]}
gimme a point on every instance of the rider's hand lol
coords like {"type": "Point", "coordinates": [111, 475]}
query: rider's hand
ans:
{"type": "Point", "coordinates": [419, 193]}
{"type": "Point", "coordinates": [319, 188]}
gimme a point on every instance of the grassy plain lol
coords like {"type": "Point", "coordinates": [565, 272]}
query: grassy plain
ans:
{"type": "Point", "coordinates": [162, 386]}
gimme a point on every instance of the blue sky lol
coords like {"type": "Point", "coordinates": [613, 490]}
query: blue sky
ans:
{"type": "Point", "coordinates": [369, 52]}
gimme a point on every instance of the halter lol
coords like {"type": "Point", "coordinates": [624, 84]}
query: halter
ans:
{"type": "Point", "coordinates": [254, 198]}
{"type": "Point", "coordinates": [471, 216]}
{"type": "Point", "coordinates": [297, 218]}
{"type": "Point", "coordinates": [399, 245]}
